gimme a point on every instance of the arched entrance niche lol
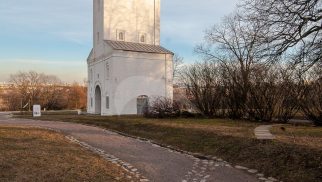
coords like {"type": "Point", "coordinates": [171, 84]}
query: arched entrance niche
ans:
{"type": "Point", "coordinates": [98, 100]}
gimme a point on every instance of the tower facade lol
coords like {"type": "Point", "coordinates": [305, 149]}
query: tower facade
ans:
{"type": "Point", "coordinates": [135, 21]}
{"type": "Point", "coordinates": [127, 62]}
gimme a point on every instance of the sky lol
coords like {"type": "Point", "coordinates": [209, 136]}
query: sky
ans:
{"type": "Point", "coordinates": [55, 36]}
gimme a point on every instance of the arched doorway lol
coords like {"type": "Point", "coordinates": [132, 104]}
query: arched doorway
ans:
{"type": "Point", "coordinates": [142, 104]}
{"type": "Point", "coordinates": [98, 100]}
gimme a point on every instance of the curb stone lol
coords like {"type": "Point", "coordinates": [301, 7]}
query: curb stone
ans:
{"type": "Point", "coordinates": [196, 155]}
{"type": "Point", "coordinates": [125, 166]}
{"type": "Point", "coordinates": [114, 160]}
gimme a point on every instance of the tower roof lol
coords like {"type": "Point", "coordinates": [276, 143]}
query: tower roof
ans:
{"type": "Point", "coordinates": [137, 47]}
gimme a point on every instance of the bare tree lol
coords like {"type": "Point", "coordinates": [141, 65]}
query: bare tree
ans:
{"type": "Point", "coordinates": [77, 96]}
{"type": "Point", "coordinates": [235, 45]}
{"type": "Point", "coordinates": [52, 93]}
{"type": "Point", "coordinates": [2, 107]}
{"type": "Point", "coordinates": [204, 89]}
{"type": "Point", "coordinates": [28, 85]}
{"type": "Point", "coordinates": [29, 88]}
{"type": "Point", "coordinates": [177, 64]}
{"type": "Point", "coordinates": [293, 27]}
{"type": "Point", "coordinates": [264, 93]}
{"type": "Point", "coordinates": [11, 101]}
{"type": "Point", "coordinates": [36, 88]}
{"type": "Point", "coordinates": [289, 92]}
{"type": "Point", "coordinates": [234, 99]}
{"type": "Point", "coordinates": [311, 97]}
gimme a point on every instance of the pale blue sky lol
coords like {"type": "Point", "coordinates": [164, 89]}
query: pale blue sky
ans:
{"type": "Point", "coordinates": [55, 36]}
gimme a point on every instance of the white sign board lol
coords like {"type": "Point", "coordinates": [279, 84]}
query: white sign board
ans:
{"type": "Point", "coordinates": [36, 111]}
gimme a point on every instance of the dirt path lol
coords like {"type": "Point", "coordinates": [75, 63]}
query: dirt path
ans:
{"type": "Point", "coordinates": [156, 163]}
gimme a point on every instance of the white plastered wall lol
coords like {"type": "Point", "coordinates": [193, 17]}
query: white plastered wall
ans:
{"type": "Point", "coordinates": [131, 75]}
{"type": "Point", "coordinates": [135, 17]}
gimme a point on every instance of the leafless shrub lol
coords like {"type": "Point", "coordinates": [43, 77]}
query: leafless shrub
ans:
{"type": "Point", "coordinates": [311, 98]}
{"type": "Point", "coordinates": [162, 107]}
{"type": "Point", "coordinates": [234, 97]}
{"type": "Point", "coordinates": [263, 95]}
{"type": "Point", "coordinates": [204, 88]}
{"type": "Point", "coordinates": [289, 92]}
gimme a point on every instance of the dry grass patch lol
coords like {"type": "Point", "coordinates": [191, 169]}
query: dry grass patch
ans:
{"type": "Point", "coordinates": [28, 154]}
{"type": "Point", "coordinates": [238, 128]}
{"type": "Point", "coordinates": [300, 135]}
{"type": "Point", "coordinates": [222, 130]}
{"type": "Point", "coordinates": [285, 161]}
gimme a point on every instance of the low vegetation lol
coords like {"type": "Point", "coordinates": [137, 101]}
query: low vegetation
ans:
{"type": "Point", "coordinates": [260, 63]}
{"type": "Point", "coordinates": [234, 141]}
{"type": "Point", "coordinates": [235, 80]}
{"type": "Point", "coordinates": [28, 88]}
{"type": "Point", "coordinates": [28, 154]}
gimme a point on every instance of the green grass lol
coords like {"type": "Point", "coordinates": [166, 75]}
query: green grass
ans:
{"type": "Point", "coordinates": [231, 140]}
{"type": "Point", "coordinates": [29, 154]}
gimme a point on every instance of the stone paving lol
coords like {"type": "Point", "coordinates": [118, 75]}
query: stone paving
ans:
{"type": "Point", "coordinates": [146, 160]}
{"type": "Point", "coordinates": [129, 171]}
{"type": "Point", "coordinates": [263, 132]}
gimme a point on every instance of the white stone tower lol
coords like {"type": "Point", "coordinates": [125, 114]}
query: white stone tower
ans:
{"type": "Point", "coordinates": [127, 66]}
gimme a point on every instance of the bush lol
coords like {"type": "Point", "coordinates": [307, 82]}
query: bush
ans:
{"type": "Point", "coordinates": [163, 107]}
{"type": "Point", "coordinates": [311, 102]}
{"type": "Point", "coordinates": [204, 88]}
{"type": "Point", "coordinates": [187, 114]}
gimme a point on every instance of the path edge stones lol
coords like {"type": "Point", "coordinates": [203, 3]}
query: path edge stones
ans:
{"type": "Point", "coordinates": [260, 176]}
{"type": "Point", "coordinates": [128, 168]}
{"type": "Point", "coordinates": [254, 172]}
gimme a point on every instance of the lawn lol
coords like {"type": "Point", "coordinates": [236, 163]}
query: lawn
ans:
{"type": "Point", "coordinates": [29, 154]}
{"type": "Point", "coordinates": [285, 158]}
{"type": "Point", "coordinates": [310, 137]}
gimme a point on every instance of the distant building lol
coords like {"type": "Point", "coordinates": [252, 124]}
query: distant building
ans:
{"type": "Point", "coordinates": [127, 66]}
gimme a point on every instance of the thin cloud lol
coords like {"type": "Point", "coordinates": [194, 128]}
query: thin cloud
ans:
{"type": "Point", "coordinates": [68, 70]}
{"type": "Point", "coordinates": [62, 30]}
{"type": "Point", "coordinates": [46, 62]}
{"type": "Point", "coordinates": [78, 37]}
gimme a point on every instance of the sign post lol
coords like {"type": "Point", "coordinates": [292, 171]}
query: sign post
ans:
{"type": "Point", "coordinates": [36, 111]}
